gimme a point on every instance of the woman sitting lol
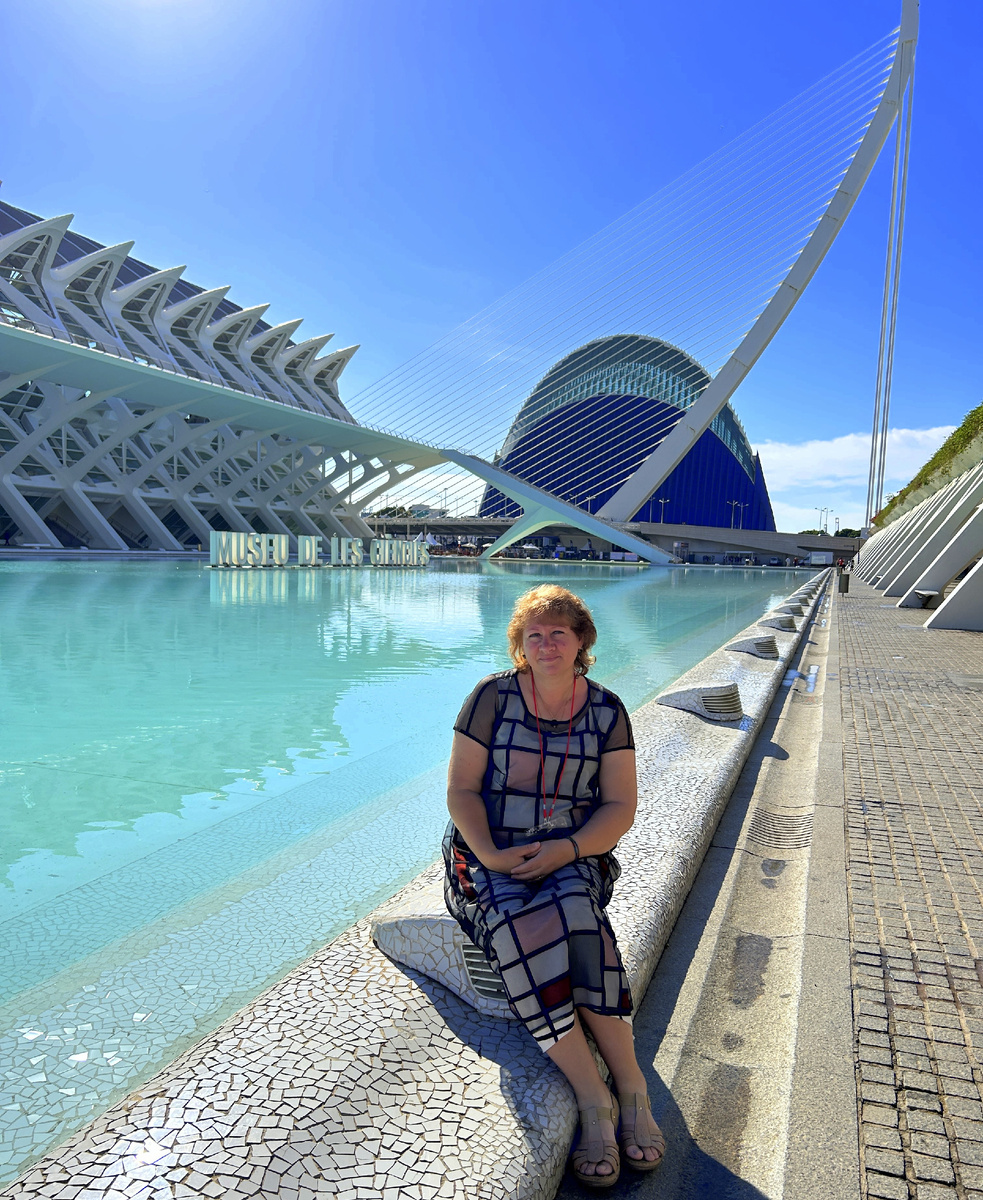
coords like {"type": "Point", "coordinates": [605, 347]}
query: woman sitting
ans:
{"type": "Point", "coordinates": [541, 787]}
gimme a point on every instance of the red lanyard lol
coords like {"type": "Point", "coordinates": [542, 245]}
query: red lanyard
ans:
{"type": "Point", "coordinates": [542, 754]}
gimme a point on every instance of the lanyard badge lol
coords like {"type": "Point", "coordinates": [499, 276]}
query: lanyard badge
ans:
{"type": "Point", "coordinates": [549, 821]}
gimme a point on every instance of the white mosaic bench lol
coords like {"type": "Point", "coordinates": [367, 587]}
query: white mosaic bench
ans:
{"type": "Point", "coordinates": [420, 933]}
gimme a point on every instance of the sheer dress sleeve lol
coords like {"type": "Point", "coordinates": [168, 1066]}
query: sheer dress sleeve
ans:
{"type": "Point", "coordinates": [620, 736]}
{"type": "Point", "coordinates": [476, 719]}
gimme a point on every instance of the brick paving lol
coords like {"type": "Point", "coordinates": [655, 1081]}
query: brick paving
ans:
{"type": "Point", "coordinates": [913, 764]}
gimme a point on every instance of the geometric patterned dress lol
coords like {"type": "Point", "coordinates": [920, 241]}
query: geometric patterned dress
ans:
{"type": "Point", "coordinates": [549, 939]}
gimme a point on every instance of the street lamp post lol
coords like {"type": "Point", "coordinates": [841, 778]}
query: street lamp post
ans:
{"type": "Point", "coordinates": [733, 504]}
{"type": "Point", "coordinates": [662, 510]}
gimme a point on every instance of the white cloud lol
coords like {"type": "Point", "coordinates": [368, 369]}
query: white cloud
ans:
{"type": "Point", "coordinates": [832, 473]}
{"type": "Point", "coordinates": [843, 460]}
{"type": "Point", "coordinates": [790, 518]}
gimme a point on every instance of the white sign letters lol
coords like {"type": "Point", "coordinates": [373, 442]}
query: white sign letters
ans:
{"type": "Point", "coordinates": [273, 550]}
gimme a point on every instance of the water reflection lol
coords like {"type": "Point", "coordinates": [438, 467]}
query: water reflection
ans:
{"type": "Point", "coordinates": [153, 700]}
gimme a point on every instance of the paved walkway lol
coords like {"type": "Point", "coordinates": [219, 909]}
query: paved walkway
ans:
{"type": "Point", "coordinates": [892, 932]}
{"type": "Point", "coordinates": [912, 705]}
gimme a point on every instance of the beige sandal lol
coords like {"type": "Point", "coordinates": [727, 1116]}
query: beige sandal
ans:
{"type": "Point", "coordinates": [628, 1136]}
{"type": "Point", "coordinates": [593, 1149]}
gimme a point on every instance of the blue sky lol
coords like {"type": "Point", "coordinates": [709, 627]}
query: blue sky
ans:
{"type": "Point", "coordinates": [385, 169]}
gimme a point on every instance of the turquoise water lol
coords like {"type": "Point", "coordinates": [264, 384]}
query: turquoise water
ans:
{"type": "Point", "coordinates": [205, 775]}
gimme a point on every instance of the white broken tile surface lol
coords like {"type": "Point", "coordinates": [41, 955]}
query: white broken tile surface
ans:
{"type": "Point", "coordinates": [353, 1077]}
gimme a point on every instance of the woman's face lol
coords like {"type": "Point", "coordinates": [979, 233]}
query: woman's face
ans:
{"type": "Point", "coordinates": [550, 647]}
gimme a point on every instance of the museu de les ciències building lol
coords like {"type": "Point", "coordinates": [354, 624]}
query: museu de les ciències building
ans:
{"type": "Point", "coordinates": [138, 410]}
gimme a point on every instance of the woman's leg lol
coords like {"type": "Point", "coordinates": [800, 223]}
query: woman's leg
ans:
{"type": "Point", "coordinates": [616, 1043]}
{"type": "Point", "coordinates": [573, 1056]}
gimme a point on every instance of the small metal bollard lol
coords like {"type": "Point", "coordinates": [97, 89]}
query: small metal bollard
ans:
{"type": "Point", "coordinates": [844, 581]}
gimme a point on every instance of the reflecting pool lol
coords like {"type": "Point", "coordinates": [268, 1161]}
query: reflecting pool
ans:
{"type": "Point", "coordinates": [205, 775]}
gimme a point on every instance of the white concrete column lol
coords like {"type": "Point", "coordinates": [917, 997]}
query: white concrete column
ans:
{"type": "Point", "coordinates": [874, 553]}
{"type": "Point", "coordinates": [963, 607]}
{"type": "Point", "coordinates": [30, 523]}
{"type": "Point", "coordinates": [960, 550]}
{"type": "Point", "coordinates": [868, 549]}
{"type": "Point", "coordinates": [101, 534]}
{"type": "Point", "coordinates": [532, 519]}
{"type": "Point", "coordinates": [961, 504]}
{"type": "Point", "coordinates": [272, 520]}
{"type": "Point", "coordinates": [237, 523]}
{"type": "Point", "coordinates": [894, 534]}
{"type": "Point", "coordinates": [160, 536]}
{"type": "Point", "coordinates": [190, 515]}
{"type": "Point", "coordinates": [924, 517]}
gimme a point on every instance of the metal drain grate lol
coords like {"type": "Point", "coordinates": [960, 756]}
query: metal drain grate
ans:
{"type": "Point", "coordinates": [779, 621]}
{"type": "Point", "coordinates": [484, 980]}
{"type": "Point", "coordinates": [786, 831]}
{"type": "Point", "coordinates": [723, 702]}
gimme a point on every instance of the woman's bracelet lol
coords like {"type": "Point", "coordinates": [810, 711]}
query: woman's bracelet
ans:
{"type": "Point", "coordinates": [576, 848]}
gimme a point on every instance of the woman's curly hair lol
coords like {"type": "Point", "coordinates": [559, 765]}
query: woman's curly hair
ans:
{"type": "Point", "coordinates": [549, 602]}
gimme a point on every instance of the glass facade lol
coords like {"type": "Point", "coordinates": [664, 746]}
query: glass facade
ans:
{"type": "Point", "coordinates": [602, 410]}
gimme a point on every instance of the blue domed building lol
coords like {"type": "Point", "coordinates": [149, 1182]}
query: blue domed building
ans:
{"type": "Point", "coordinates": [600, 412]}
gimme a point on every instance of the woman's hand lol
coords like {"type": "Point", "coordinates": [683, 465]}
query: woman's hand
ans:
{"type": "Point", "coordinates": [546, 857]}
{"type": "Point", "coordinates": [506, 861]}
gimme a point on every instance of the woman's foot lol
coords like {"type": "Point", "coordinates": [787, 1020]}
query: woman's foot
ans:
{"type": "Point", "coordinates": [595, 1161]}
{"type": "Point", "coordinates": [641, 1138]}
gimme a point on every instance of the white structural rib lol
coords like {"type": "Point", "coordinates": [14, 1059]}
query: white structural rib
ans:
{"type": "Point", "coordinates": [227, 334]}
{"type": "Point", "coordinates": [295, 359]}
{"type": "Point", "coordinates": [932, 555]}
{"type": "Point", "coordinates": [84, 282]}
{"type": "Point", "coordinates": [966, 500]}
{"type": "Point", "coordinates": [272, 341]}
{"type": "Point", "coordinates": [914, 532]}
{"type": "Point", "coordinates": [962, 548]}
{"type": "Point", "coordinates": [666, 457]}
{"type": "Point", "coordinates": [540, 509]}
{"type": "Point", "coordinates": [138, 304]}
{"type": "Point", "coordinates": [25, 259]}
{"type": "Point", "coordinates": [195, 312]}
{"type": "Point", "coordinates": [324, 372]}
{"type": "Point", "coordinates": [262, 349]}
{"type": "Point", "coordinates": [879, 546]}
{"type": "Point", "coordinates": [150, 292]}
{"type": "Point", "coordinates": [963, 607]}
